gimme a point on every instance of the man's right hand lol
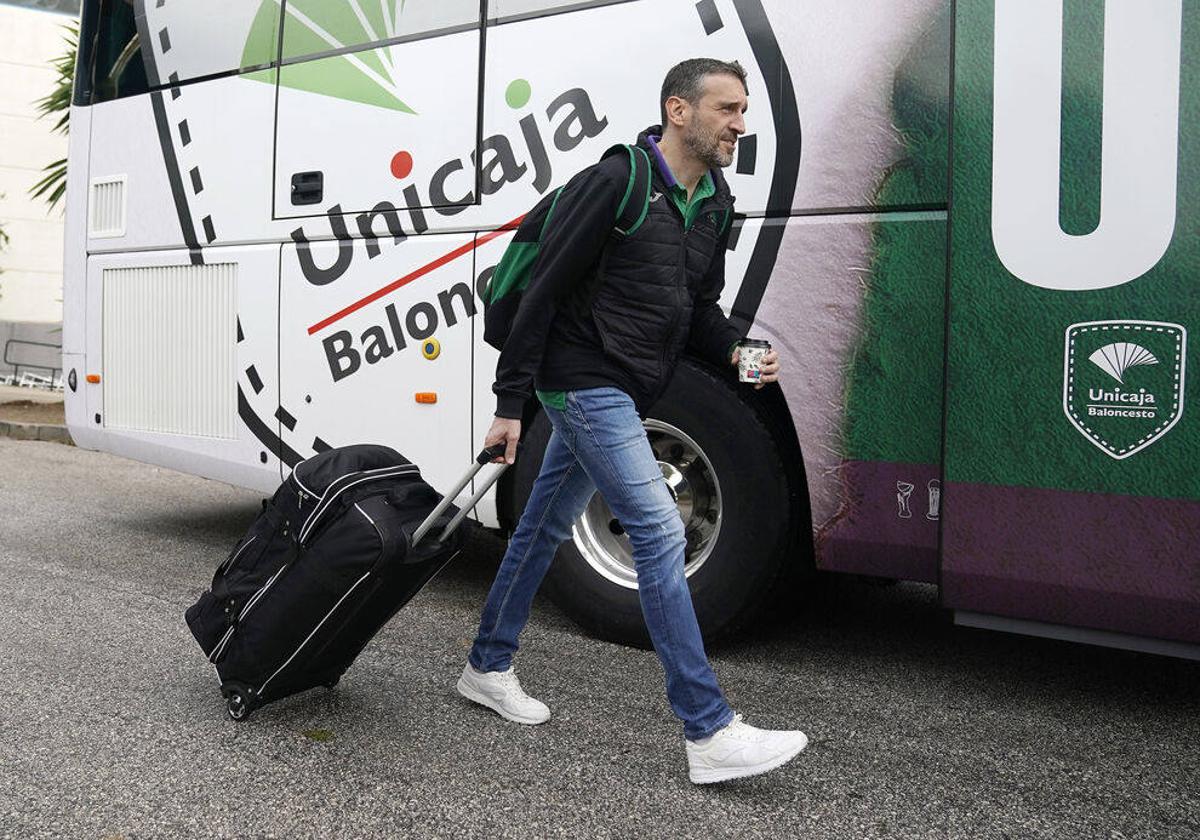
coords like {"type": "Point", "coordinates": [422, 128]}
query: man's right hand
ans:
{"type": "Point", "coordinates": [507, 431]}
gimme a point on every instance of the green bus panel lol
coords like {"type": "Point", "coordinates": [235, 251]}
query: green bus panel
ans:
{"type": "Point", "coordinates": [1071, 488]}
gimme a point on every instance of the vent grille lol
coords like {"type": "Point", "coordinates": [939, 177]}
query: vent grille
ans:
{"type": "Point", "coordinates": [170, 349]}
{"type": "Point", "coordinates": [106, 207]}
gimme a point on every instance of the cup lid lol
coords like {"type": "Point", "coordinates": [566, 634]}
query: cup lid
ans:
{"type": "Point", "coordinates": [753, 342]}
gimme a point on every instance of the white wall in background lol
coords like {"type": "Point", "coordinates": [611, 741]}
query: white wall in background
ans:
{"type": "Point", "coordinates": [31, 282]}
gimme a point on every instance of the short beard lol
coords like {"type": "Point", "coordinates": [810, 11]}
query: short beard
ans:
{"type": "Point", "coordinates": [706, 147]}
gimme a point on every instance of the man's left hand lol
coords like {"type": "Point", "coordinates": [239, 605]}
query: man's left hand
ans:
{"type": "Point", "coordinates": [769, 367]}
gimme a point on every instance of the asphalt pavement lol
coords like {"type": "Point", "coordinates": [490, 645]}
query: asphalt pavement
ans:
{"type": "Point", "coordinates": [112, 725]}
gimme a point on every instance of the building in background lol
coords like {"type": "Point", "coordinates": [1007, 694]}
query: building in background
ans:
{"type": "Point", "coordinates": [31, 37]}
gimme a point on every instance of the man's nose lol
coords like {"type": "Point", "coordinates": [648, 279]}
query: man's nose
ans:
{"type": "Point", "coordinates": [739, 124]}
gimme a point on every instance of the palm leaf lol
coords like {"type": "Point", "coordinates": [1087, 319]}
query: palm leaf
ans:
{"type": "Point", "coordinates": [53, 184]}
{"type": "Point", "coordinates": [3, 240]}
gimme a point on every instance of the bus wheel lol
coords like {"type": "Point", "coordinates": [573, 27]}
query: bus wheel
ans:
{"type": "Point", "coordinates": [725, 470]}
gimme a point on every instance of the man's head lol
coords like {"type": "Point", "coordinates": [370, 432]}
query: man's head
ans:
{"type": "Point", "coordinates": [702, 103]}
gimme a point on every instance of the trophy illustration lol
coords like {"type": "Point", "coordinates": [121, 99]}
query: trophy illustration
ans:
{"type": "Point", "coordinates": [904, 491]}
{"type": "Point", "coordinates": [935, 499]}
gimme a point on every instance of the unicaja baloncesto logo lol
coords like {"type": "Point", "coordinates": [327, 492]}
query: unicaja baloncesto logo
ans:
{"type": "Point", "coordinates": [1123, 382]}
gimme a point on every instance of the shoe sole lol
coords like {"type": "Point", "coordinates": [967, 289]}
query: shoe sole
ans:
{"type": "Point", "coordinates": [705, 776]}
{"type": "Point", "coordinates": [468, 691]}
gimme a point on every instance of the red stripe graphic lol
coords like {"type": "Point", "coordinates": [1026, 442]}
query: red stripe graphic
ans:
{"type": "Point", "coordinates": [420, 272]}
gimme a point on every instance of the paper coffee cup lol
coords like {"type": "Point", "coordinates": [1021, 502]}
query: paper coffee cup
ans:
{"type": "Point", "coordinates": [750, 355]}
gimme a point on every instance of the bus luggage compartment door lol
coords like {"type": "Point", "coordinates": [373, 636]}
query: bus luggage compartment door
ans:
{"type": "Point", "coordinates": [1071, 495]}
{"type": "Point", "coordinates": [382, 355]}
{"type": "Point", "coordinates": [372, 102]}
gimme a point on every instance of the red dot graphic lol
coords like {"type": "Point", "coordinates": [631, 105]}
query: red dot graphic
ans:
{"type": "Point", "coordinates": [402, 164]}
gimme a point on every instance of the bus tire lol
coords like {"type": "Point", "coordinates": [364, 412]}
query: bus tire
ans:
{"type": "Point", "coordinates": [718, 427]}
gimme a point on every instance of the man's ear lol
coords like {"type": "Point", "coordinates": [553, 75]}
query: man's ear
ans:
{"type": "Point", "coordinates": [677, 107]}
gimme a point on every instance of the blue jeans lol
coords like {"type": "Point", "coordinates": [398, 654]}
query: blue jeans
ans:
{"type": "Point", "coordinates": [599, 442]}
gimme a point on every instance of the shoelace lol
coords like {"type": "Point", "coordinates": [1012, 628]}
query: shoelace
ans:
{"type": "Point", "coordinates": [509, 680]}
{"type": "Point", "coordinates": [743, 731]}
{"type": "Point", "coordinates": [737, 725]}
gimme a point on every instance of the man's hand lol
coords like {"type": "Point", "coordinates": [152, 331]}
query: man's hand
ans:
{"type": "Point", "coordinates": [769, 366]}
{"type": "Point", "coordinates": [507, 431]}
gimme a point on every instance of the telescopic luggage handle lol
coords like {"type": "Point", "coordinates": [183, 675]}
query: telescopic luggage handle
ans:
{"type": "Point", "coordinates": [482, 459]}
{"type": "Point", "coordinates": [490, 452]}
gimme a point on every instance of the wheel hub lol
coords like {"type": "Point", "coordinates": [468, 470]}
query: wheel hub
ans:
{"type": "Point", "coordinates": [690, 477]}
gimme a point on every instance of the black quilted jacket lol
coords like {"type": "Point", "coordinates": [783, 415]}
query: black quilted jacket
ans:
{"type": "Point", "coordinates": [604, 309]}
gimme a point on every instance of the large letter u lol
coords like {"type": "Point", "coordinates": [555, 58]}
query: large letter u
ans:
{"type": "Point", "coordinates": [1140, 139]}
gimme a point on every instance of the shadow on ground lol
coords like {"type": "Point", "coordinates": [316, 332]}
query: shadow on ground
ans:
{"type": "Point", "coordinates": [830, 618]}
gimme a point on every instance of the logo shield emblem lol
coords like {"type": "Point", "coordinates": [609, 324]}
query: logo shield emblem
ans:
{"type": "Point", "coordinates": [1123, 382]}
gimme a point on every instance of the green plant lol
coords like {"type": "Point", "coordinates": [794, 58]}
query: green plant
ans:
{"type": "Point", "coordinates": [53, 184]}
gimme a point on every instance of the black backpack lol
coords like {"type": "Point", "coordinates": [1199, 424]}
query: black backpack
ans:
{"type": "Point", "coordinates": [505, 288]}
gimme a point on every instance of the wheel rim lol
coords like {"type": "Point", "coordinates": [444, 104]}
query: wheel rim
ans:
{"type": "Point", "coordinates": [693, 482]}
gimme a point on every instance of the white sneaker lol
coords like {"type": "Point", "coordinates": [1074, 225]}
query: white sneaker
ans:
{"type": "Point", "coordinates": [741, 750]}
{"type": "Point", "coordinates": [501, 692]}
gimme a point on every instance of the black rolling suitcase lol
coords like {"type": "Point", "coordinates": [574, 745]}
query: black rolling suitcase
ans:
{"type": "Point", "coordinates": [335, 553]}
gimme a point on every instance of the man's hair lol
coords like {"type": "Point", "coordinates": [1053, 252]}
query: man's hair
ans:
{"type": "Point", "coordinates": [686, 80]}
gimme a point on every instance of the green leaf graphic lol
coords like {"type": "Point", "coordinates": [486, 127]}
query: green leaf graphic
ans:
{"type": "Point", "coordinates": [263, 36]}
{"type": "Point", "coordinates": [317, 26]}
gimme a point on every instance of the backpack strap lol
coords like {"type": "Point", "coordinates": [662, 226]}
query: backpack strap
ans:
{"type": "Point", "coordinates": [631, 212]}
{"type": "Point", "coordinates": [549, 213]}
{"type": "Point", "coordinates": [726, 218]}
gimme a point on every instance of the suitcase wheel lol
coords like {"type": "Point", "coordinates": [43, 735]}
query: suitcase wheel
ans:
{"type": "Point", "coordinates": [237, 707]}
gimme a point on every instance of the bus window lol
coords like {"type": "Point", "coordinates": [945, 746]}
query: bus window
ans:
{"type": "Point", "coordinates": [316, 27]}
{"type": "Point", "coordinates": [125, 49]}
{"type": "Point", "coordinates": [501, 10]}
{"type": "Point", "coordinates": [117, 68]}
{"type": "Point", "coordinates": [191, 38]}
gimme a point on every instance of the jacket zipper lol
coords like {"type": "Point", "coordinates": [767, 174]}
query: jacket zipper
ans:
{"type": "Point", "coordinates": [670, 337]}
{"type": "Point", "coordinates": [682, 272]}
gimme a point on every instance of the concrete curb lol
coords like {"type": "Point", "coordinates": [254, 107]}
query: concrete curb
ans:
{"type": "Point", "coordinates": [35, 431]}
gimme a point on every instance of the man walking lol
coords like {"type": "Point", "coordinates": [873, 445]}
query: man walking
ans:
{"type": "Point", "coordinates": [601, 326]}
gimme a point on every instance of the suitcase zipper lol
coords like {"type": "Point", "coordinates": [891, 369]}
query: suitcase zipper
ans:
{"type": "Point", "coordinates": [331, 494]}
{"type": "Point", "coordinates": [378, 472]}
{"type": "Point", "coordinates": [229, 563]}
{"type": "Point", "coordinates": [320, 497]}
{"type": "Point", "coordinates": [258, 595]}
{"type": "Point", "coordinates": [332, 610]}
{"type": "Point", "coordinates": [300, 484]}
{"type": "Point", "coordinates": [219, 648]}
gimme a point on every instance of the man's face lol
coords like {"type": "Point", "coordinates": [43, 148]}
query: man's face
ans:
{"type": "Point", "coordinates": [712, 125]}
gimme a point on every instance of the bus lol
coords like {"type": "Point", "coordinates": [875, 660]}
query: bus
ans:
{"type": "Point", "coordinates": [967, 228]}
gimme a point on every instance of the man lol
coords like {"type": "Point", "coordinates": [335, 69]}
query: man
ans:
{"type": "Point", "coordinates": [599, 330]}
